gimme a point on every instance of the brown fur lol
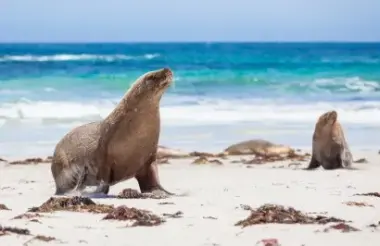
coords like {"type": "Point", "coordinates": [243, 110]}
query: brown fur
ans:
{"type": "Point", "coordinates": [72, 153]}
{"type": "Point", "coordinates": [329, 149]}
{"type": "Point", "coordinates": [258, 147]}
{"type": "Point", "coordinates": [120, 147]}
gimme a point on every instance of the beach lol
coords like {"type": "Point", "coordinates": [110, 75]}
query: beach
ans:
{"type": "Point", "coordinates": [213, 204]}
{"type": "Point", "coordinates": [224, 93]}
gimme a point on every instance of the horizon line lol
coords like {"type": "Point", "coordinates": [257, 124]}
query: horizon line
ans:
{"type": "Point", "coordinates": [188, 42]}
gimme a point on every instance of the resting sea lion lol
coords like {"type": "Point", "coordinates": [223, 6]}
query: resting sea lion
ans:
{"type": "Point", "coordinates": [329, 149]}
{"type": "Point", "coordinates": [258, 147]}
{"type": "Point", "coordinates": [165, 152]}
{"type": "Point", "coordinates": [120, 147]}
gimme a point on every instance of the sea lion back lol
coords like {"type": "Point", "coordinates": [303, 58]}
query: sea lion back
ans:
{"type": "Point", "coordinates": [339, 138]}
{"type": "Point", "coordinates": [72, 153]}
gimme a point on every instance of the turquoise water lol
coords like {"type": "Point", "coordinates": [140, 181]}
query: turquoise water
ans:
{"type": "Point", "coordinates": [223, 92]}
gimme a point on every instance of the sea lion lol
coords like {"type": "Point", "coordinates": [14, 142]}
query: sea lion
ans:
{"type": "Point", "coordinates": [258, 147]}
{"type": "Point", "coordinates": [329, 148]}
{"type": "Point", "coordinates": [165, 152]}
{"type": "Point", "coordinates": [120, 147]}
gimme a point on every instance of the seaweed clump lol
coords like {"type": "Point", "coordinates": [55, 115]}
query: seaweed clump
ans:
{"type": "Point", "coordinates": [270, 213]}
{"type": "Point", "coordinates": [5, 230]}
{"type": "Point", "coordinates": [73, 204]}
{"type": "Point", "coordinates": [376, 194]}
{"type": "Point", "coordinates": [139, 217]}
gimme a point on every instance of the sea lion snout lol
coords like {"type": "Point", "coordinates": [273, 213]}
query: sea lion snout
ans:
{"type": "Point", "coordinates": [331, 117]}
{"type": "Point", "coordinates": [166, 77]}
{"type": "Point", "coordinates": [167, 72]}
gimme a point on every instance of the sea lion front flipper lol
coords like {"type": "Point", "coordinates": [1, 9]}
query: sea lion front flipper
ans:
{"type": "Point", "coordinates": [148, 179]}
{"type": "Point", "coordinates": [313, 164]}
{"type": "Point", "coordinates": [102, 188]}
{"type": "Point", "coordinates": [105, 175]}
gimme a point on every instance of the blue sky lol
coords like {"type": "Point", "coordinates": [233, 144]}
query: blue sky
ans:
{"type": "Point", "coordinates": [191, 20]}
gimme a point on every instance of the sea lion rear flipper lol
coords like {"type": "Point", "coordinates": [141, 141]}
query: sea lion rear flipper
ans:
{"type": "Point", "coordinates": [313, 164]}
{"type": "Point", "coordinates": [346, 158]}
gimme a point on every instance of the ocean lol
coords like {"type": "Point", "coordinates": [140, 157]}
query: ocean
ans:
{"type": "Point", "coordinates": [223, 92]}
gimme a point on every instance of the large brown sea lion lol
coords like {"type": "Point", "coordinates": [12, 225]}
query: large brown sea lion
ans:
{"type": "Point", "coordinates": [258, 147]}
{"type": "Point", "coordinates": [329, 148]}
{"type": "Point", "coordinates": [120, 147]}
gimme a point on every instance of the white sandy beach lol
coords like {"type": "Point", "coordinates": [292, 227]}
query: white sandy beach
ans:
{"type": "Point", "coordinates": [214, 190]}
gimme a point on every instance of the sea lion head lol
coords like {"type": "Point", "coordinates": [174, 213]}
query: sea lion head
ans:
{"type": "Point", "coordinates": [329, 118]}
{"type": "Point", "coordinates": [152, 85]}
{"type": "Point", "coordinates": [326, 122]}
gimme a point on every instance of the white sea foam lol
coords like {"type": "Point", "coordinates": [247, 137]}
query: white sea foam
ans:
{"type": "Point", "coordinates": [353, 84]}
{"type": "Point", "coordinates": [73, 57]}
{"type": "Point", "coordinates": [197, 113]}
{"type": "Point", "coordinates": [12, 92]}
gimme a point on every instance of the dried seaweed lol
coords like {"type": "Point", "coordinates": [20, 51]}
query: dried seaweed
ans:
{"type": "Point", "coordinates": [376, 194]}
{"type": "Point", "coordinates": [270, 213]}
{"type": "Point", "coordinates": [177, 214]}
{"type": "Point", "coordinates": [4, 230]}
{"type": "Point", "coordinates": [166, 203]}
{"type": "Point", "coordinates": [203, 160]}
{"type": "Point", "coordinates": [262, 158]}
{"type": "Point", "coordinates": [268, 242]}
{"type": "Point", "coordinates": [44, 238]}
{"type": "Point", "coordinates": [3, 207]}
{"type": "Point", "coordinates": [134, 194]}
{"type": "Point", "coordinates": [73, 204]}
{"type": "Point", "coordinates": [206, 154]}
{"type": "Point", "coordinates": [130, 194]}
{"type": "Point", "coordinates": [375, 225]}
{"type": "Point", "coordinates": [210, 217]}
{"type": "Point", "coordinates": [343, 227]}
{"type": "Point", "coordinates": [30, 161]}
{"type": "Point", "coordinates": [139, 217]}
{"type": "Point", "coordinates": [28, 216]}
{"type": "Point", "coordinates": [358, 204]}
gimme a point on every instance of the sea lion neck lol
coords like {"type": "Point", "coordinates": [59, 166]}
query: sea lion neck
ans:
{"type": "Point", "coordinates": [132, 106]}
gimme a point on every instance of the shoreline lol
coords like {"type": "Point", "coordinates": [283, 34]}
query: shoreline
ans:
{"type": "Point", "coordinates": [26, 141]}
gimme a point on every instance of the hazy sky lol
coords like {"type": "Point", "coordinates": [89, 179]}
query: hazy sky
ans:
{"type": "Point", "coordinates": [190, 20]}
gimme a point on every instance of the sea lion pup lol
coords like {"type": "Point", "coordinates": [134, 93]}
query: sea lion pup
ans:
{"type": "Point", "coordinates": [120, 147]}
{"type": "Point", "coordinates": [258, 147]}
{"type": "Point", "coordinates": [329, 148]}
